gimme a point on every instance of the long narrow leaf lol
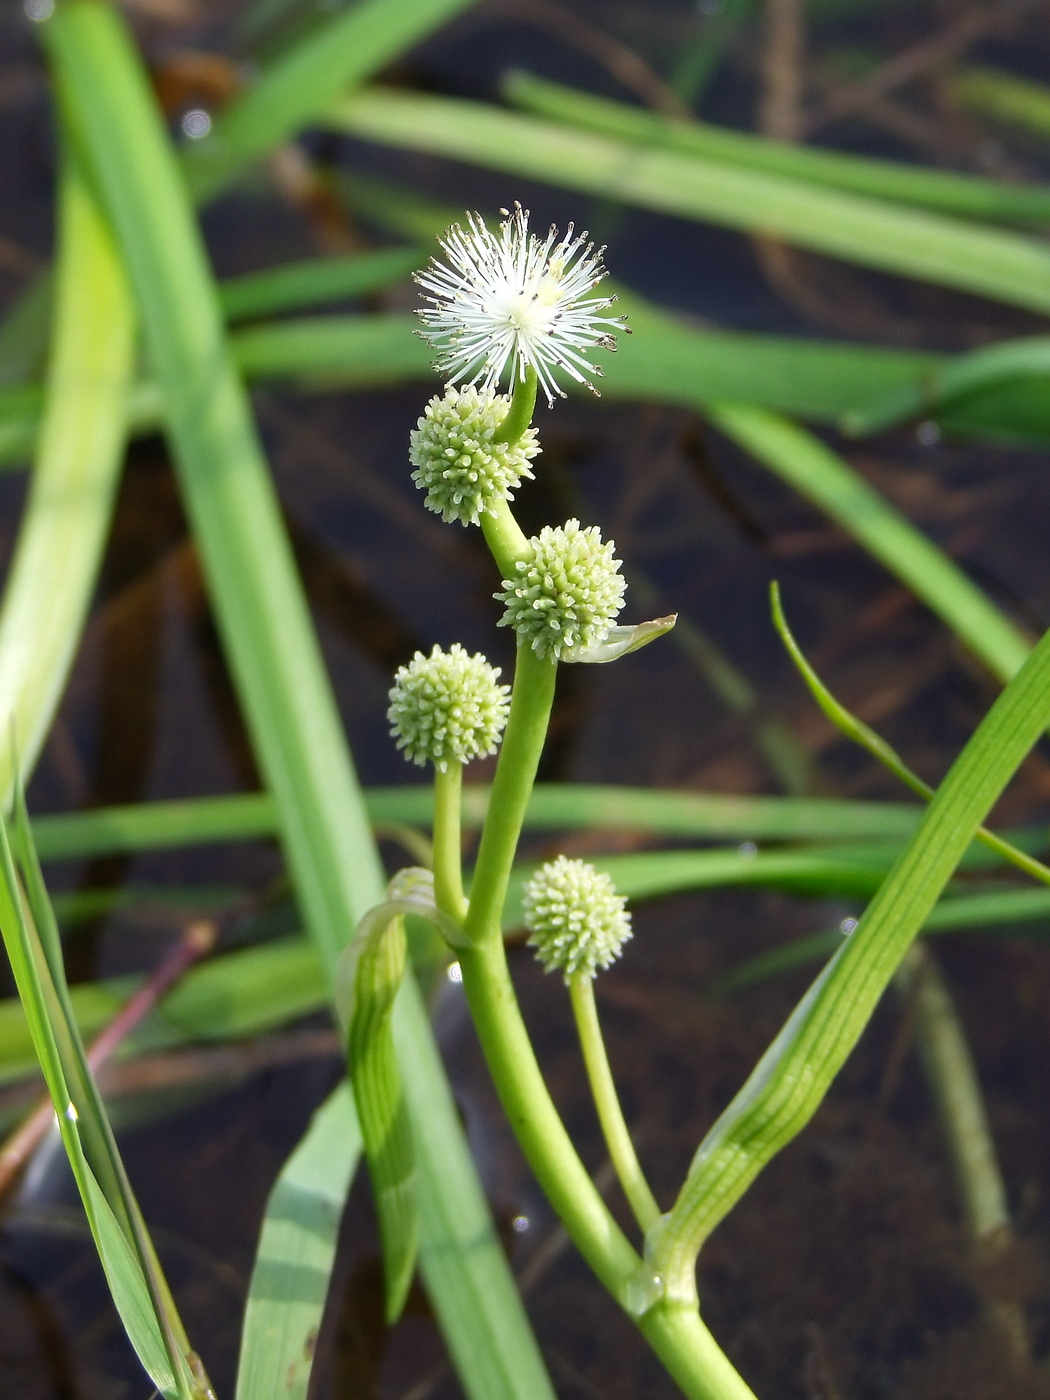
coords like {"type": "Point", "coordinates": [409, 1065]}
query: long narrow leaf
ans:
{"type": "Point", "coordinates": [1004, 96]}
{"type": "Point", "coordinates": [995, 911]}
{"type": "Point", "coordinates": [824, 478]}
{"type": "Point", "coordinates": [297, 87]}
{"type": "Point", "coordinates": [992, 366]}
{"type": "Point", "coordinates": [796, 1071]}
{"type": "Point", "coordinates": [293, 286]}
{"type": "Point", "coordinates": [294, 1260]}
{"type": "Point", "coordinates": [370, 973]}
{"type": "Point", "coordinates": [70, 504]}
{"type": "Point", "coordinates": [552, 807]}
{"type": "Point", "coordinates": [860, 733]}
{"type": "Point", "coordinates": [142, 1300]}
{"type": "Point", "coordinates": [909, 242]}
{"type": "Point", "coordinates": [672, 362]}
{"type": "Point", "coordinates": [884, 179]}
{"type": "Point", "coordinates": [258, 597]}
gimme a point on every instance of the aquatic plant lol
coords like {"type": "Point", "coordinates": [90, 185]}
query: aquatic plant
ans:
{"type": "Point", "coordinates": [504, 310]}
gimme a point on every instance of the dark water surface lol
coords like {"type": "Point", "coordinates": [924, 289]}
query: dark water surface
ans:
{"type": "Point", "coordinates": [846, 1271]}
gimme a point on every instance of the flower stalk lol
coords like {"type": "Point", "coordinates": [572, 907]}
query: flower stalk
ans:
{"type": "Point", "coordinates": [448, 862]}
{"type": "Point", "coordinates": [606, 1100]}
{"type": "Point", "coordinates": [508, 301]}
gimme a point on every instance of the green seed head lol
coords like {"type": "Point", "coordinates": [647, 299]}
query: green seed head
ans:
{"type": "Point", "coordinates": [577, 921]}
{"type": "Point", "coordinates": [567, 591]}
{"type": "Point", "coordinates": [459, 466]}
{"type": "Point", "coordinates": [447, 707]}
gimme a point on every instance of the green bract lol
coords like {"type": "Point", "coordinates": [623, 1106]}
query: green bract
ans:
{"type": "Point", "coordinates": [447, 707]}
{"type": "Point", "coordinates": [577, 922]}
{"type": "Point", "coordinates": [461, 468]}
{"type": "Point", "coordinates": [568, 590]}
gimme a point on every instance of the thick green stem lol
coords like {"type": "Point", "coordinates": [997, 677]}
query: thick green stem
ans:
{"type": "Point", "coordinates": [448, 862]}
{"type": "Point", "coordinates": [522, 407]}
{"type": "Point", "coordinates": [607, 1102]}
{"type": "Point", "coordinates": [686, 1348]}
{"type": "Point", "coordinates": [535, 1120]}
{"type": "Point", "coordinates": [677, 1334]}
{"type": "Point", "coordinates": [504, 537]}
{"type": "Point", "coordinates": [530, 707]}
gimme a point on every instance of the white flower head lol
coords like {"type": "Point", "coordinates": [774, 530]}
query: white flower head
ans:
{"type": "Point", "coordinates": [566, 591]}
{"type": "Point", "coordinates": [463, 470]}
{"type": "Point", "coordinates": [447, 707]}
{"type": "Point", "coordinates": [577, 922]}
{"type": "Point", "coordinates": [511, 298]}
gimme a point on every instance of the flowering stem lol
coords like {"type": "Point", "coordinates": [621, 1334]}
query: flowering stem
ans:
{"type": "Point", "coordinates": [504, 537]}
{"type": "Point", "coordinates": [607, 1102]}
{"type": "Point", "coordinates": [522, 407]}
{"type": "Point", "coordinates": [677, 1334]}
{"type": "Point", "coordinates": [448, 873]}
{"type": "Point", "coordinates": [530, 707]}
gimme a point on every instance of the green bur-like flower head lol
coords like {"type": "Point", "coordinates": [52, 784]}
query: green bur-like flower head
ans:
{"type": "Point", "coordinates": [447, 707]}
{"type": "Point", "coordinates": [567, 591]}
{"type": "Point", "coordinates": [577, 921]}
{"type": "Point", "coordinates": [459, 466]}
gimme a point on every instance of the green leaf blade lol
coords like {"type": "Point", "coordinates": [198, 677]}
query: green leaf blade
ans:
{"type": "Point", "coordinates": [792, 1077]}
{"type": "Point", "coordinates": [909, 242]}
{"type": "Point", "coordinates": [294, 1259]}
{"type": "Point", "coordinates": [371, 972]}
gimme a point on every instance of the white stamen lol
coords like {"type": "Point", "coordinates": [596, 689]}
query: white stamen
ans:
{"type": "Point", "coordinates": [509, 297]}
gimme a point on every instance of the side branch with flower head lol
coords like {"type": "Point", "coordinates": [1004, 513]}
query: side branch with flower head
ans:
{"type": "Point", "coordinates": [506, 307]}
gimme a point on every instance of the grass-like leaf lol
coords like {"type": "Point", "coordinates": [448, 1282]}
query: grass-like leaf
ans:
{"type": "Point", "coordinates": [294, 1258]}
{"type": "Point", "coordinates": [1003, 96]}
{"type": "Point", "coordinates": [860, 733]}
{"type": "Point", "coordinates": [79, 455]}
{"type": "Point", "coordinates": [819, 474]}
{"type": "Point", "coordinates": [264, 619]}
{"type": "Point", "coordinates": [994, 911]}
{"type": "Point", "coordinates": [668, 361]}
{"type": "Point", "coordinates": [964, 376]}
{"type": "Point", "coordinates": [131, 1266]}
{"type": "Point", "coordinates": [793, 1076]}
{"type": "Point", "coordinates": [370, 974]}
{"type": "Point", "coordinates": [910, 242]}
{"type": "Point", "coordinates": [298, 85]}
{"type": "Point", "coordinates": [552, 807]}
{"type": "Point", "coordinates": [314, 281]}
{"type": "Point", "coordinates": [927, 188]}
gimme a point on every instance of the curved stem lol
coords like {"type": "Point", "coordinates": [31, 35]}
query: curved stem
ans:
{"type": "Point", "coordinates": [448, 866]}
{"type": "Point", "coordinates": [607, 1102]}
{"type": "Point", "coordinates": [504, 537]}
{"type": "Point", "coordinates": [530, 707]}
{"type": "Point", "coordinates": [522, 407]}
{"type": "Point", "coordinates": [676, 1333]}
{"type": "Point", "coordinates": [535, 1120]}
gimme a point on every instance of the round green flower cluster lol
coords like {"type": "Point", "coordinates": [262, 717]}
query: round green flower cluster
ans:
{"type": "Point", "coordinates": [447, 707]}
{"type": "Point", "coordinates": [577, 922]}
{"type": "Point", "coordinates": [459, 466]}
{"type": "Point", "coordinates": [568, 590]}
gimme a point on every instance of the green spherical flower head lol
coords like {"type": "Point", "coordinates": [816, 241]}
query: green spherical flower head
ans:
{"type": "Point", "coordinates": [461, 469]}
{"type": "Point", "coordinates": [567, 592]}
{"type": "Point", "coordinates": [447, 707]}
{"type": "Point", "coordinates": [577, 921]}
